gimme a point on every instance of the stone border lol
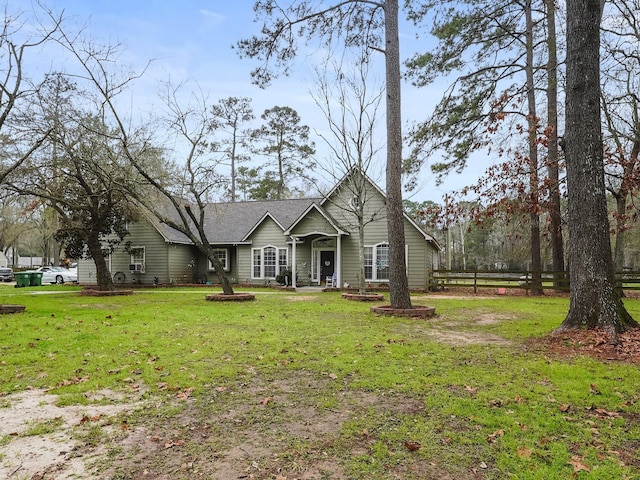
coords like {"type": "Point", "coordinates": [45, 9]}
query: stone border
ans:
{"type": "Point", "coordinates": [236, 297]}
{"type": "Point", "coordinates": [12, 308]}
{"type": "Point", "coordinates": [363, 297]}
{"type": "Point", "coordinates": [416, 311]}
{"type": "Point", "coordinates": [90, 292]}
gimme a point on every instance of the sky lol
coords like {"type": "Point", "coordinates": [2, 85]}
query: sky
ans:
{"type": "Point", "coordinates": [191, 41]}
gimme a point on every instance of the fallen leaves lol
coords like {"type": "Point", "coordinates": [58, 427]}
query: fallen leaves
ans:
{"type": "Point", "coordinates": [495, 435]}
{"type": "Point", "coordinates": [412, 446]}
{"type": "Point", "coordinates": [174, 443]}
{"type": "Point", "coordinates": [578, 466]}
{"type": "Point", "coordinates": [524, 452]}
{"type": "Point", "coordinates": [93, 418]}
{"type": "Point", "coordinates": [186, 393]}
{"type": "Point", "coordinates": [595, 343]}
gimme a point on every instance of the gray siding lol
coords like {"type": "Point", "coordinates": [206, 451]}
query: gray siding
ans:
{"type": "Point", "coordinates": [244, 263]}
{"type": "Point", "coordinates": [419, 251]}
{"type": "Point", "coordinates": [176, 263]}
{"type": "Point", "coordinates": [141, 234]}
{"type": "Point", "coordinates": [313, 222]}
{"type": "Point", "coordinates": [179, 259]}
{"type": "Point", "coordinates": [267, 233]}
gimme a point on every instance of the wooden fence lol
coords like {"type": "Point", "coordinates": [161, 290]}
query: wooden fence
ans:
{"type": "Point", "coordinates": [559, 281]}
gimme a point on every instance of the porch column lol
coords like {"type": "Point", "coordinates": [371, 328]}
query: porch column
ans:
{"type": "Point", "coordinates": [339, 261]}
{"type": "Point", "coordinates": [293, 262]}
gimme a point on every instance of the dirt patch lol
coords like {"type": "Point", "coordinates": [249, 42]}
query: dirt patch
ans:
{"type": "Point", "coordinates": [457, 333]}
{"type": "Point", "coordinates": [38, 435]}
{"type": "Point", "coordinates": [301, 298]}
{"type": "Point", "coordinates": [279, 428]}
{"type": "Point", "coordinates": [271, 428]}
{"type": "Point", "coordinates": [466, 338]}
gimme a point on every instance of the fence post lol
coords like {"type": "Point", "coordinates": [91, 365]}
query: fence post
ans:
{"type": "Point", "coordinates": [475, 282]}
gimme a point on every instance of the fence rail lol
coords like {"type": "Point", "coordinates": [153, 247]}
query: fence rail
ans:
{"type": "Point", "coordinates": [559, 281]}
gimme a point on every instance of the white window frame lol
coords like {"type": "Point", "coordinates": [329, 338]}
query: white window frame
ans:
{"type": "Point", "coordinates": [224, 260]}
{"type": "Point", "coordinates": [258, 264]}
{"type": "Point", "coordinates": [135, 257]}
{"type": "Point", "coordinates": [373, 266]}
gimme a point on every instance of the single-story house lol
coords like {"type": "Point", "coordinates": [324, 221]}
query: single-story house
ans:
{"type": "Point", "coordinates": [315, 238]}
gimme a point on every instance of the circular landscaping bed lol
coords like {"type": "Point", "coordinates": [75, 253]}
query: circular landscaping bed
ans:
{"type": "Point", "coordinates": [235, 297]}
{"type": "Point", "coordinates": [416, 311]}
{"type": "Point", "coordinates": [12, 308]}
{"type": "Point", "coordinates": [91, 292]}
{"type": "Point", "coordinates": [363, 297]}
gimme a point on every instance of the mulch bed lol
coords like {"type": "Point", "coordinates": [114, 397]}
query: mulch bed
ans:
{"type": "Point", "coordinates": [90, 292]}
{"type": "Point", "coordinates": [414, 312]}
{"type": "Point", "coordinates": [8, 308]}
{"type": "Point", "coordinates": [236, 297]}
{"type": "Point", "coordinates": [593, 343]}
{"type": "Point", "coordinates": [367, 297]}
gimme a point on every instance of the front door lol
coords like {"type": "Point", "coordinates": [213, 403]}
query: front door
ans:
{"type": "Point", "coordinates": [327, 260]}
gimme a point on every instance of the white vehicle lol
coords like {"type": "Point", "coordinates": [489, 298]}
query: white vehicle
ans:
{"type": "Point", "coordinates": [57, 275]}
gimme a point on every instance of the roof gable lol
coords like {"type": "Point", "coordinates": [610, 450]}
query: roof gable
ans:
{"type": "Point", "coordinates": [374, 187]}
{"type": "Point", "coordinates": [315, 207]}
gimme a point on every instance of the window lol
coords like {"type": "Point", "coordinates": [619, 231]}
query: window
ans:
{"type": "Point", "coordinates": [137, 254]}
{"type": "Point", "coordinates": [257, 263]}
{"type": "Point", "coordinates": [282, 259]}
{"type": "Point", "coordinates": [222, 255]}
{"type": "Point", "coordinates": [269, 261]}
{"type": "Point", "coordinates": [136, 259]}
{"type": "Point", "coordinates": [382, 262]}
{"type": "Point", "coordinates": [376, 262]}
{"type": "Point", "coordinates": [368, 263]}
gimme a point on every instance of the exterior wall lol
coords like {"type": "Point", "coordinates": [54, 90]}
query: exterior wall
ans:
{"type": "Point", "coordinates": [181, 264]}
{"type": "Point", "coordinates": [141, 234]}
{"type": "Point", "coordinates": [243, 263]}
{"type": "Point", "coordinates": [184, 263]}
{"type": "Point", "coordinates": [420, 253]}
{"type": "Point", "coordinates": [313, 222]}
{"type": "Point", "coordinates": [418, 257]}
{"type": "Point", "coordinates": [203, 272]}
{"type": "Point", "coordinates": [303, 262]}
{"type": "Point", "coordinates": [267, 233]}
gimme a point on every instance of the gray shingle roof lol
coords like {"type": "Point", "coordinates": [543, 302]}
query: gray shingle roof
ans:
{"type": "Point", "coordinates": [228, 223]}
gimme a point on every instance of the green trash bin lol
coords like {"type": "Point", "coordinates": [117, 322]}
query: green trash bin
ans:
{"type": "Point", "coordinates": [22, 279]}
{"type": "Point", "coordinates": [35, 279]}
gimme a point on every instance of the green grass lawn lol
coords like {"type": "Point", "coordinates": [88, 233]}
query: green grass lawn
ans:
{"type": "Point", "coordinates": [321, 385]}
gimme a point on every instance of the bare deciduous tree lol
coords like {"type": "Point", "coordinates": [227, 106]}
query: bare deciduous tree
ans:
{"type": "Point", "coordinates": [349, 23]}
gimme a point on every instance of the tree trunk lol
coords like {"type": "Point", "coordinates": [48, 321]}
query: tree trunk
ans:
{"type": "Point", "coordinates": [398, 282]}
{"type": "Point", "coordinates": [103, 275]}
{"type": "Point", "coordinates": [362, 287]}
{"type": "Point", "coordinates": [594, 300]}
{"type": "Point", "coordinates": [553, 171]}
{"type": "Point", "coordinates": [227, 289]}
{"type": "Point", "coordinates": [233, 167]}
{"type": "Point", "coordinates": [534, 180]}
{"type": "Point", "coordinates": [621, 210]}
{"type": "Point", "coordinates": [218, 267]}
